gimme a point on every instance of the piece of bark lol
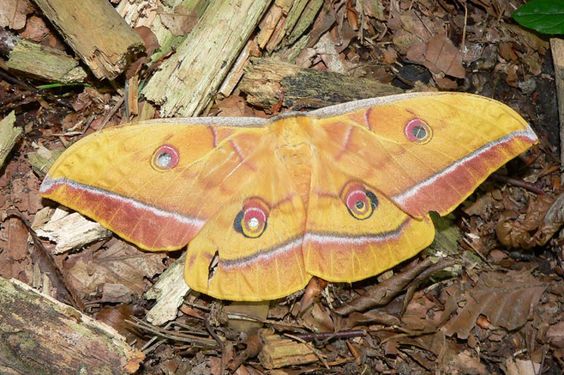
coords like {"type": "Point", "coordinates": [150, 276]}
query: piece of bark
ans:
{"type": "Point", "coordinates": [9, 135]}
{"type": "Point", "coordinates": [169, 291]}
{"type": "Point", "coordinates": [267, 81]}
{"type": "Point", "coordinates": [41, 62]}
{"type": "Point", "coordinates": [557, 47]}
{"type": "Point", "coordinates": [187, 81]}
{"type": "Point", "coordinates": [40, 335]}
{"type": "Point", "coordinates": [96, 32]}
{"type": "Point", "coordinates": [279, 352]}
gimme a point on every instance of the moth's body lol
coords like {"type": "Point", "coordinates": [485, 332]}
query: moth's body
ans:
{"type": "Point", "coordinates": [342, 193]}
{"type": "Point", "coordinates": [295, 152]}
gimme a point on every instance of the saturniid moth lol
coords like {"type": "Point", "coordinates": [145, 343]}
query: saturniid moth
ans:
{"type": "Point", "coordinates": [342, 193]}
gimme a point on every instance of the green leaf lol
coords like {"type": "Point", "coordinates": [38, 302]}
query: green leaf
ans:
{"type": "Point", "coordinates": [544, 16]}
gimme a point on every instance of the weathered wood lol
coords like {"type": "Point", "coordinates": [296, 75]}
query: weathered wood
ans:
{"type": "Point", "coordinates": [268, 81]}
{"type": "Point", "coordinates": [295, 27]}
{"type": "Point", "coordinates": [169, 291]}
{"type": "Point", "coordinates": [40, 335]}
{"type": "Point", "coordinates": [41, 62]}
{"type": "Point", "coordinates": [557, 47]}
{"type": "Point", "coordinates": [71, 231]}
{"type": "Point", "coordinates": [9, 135]}
{"type": "Point", "coordinates": [188, 80]}
{"type": "Point", "coordinates": [279, 352]}
{"type": "Point", "coordinates": [96, 32]}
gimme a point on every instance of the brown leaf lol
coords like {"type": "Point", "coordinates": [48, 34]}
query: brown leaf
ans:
{"type": "Point", "coordinates": [439, 55]}
{"type": "Point", "coordinates": [506, 300]}
{"type": "Point", "coordinates": [120, 263]}
{"type": "Point", "coordinates": [13, 250]}
{"type": "Point", "coordinates": [467, 363]}
{"type": "Point", "coordinates": [181, 21]}
{"type": "Point", "coordinates": [387, 290]}
{"type": "Point", "coordinates": [13, 13]}
{"type": "Point", "coordinates": [555, 335]}
{"type": "Point", "coordinates": [543, 219]}
{"type": "Point", "coordinates": [35, 29]}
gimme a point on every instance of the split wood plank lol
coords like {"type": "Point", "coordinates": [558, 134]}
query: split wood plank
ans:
{"type": "Point", "coordinates": [41, 62]}
{"type": "Point", "coordinates": [278, 351]}
{"type": "Point", "coordinates": [187, 82]}
{"type": "Point", "coordinates": [96, 32]}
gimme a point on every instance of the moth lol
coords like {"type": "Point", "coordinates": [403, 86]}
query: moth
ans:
{"type": "Point", "coordinates": [262, 205]}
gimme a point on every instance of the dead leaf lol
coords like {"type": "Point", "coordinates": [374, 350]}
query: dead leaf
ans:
{"type": "Point", "coordinates": [516, 366]}
{"type": "Point", "coordinates": [555, 335]}
{"type": "Point", "coordinates": [13, 13]}
{"type": "Point", "coordinates": [13, 249]}
{"type": "Point", "coordinates": [439, 55]}
{"type": "Point", "coordinates": [536, 227]}
{"type": "Point", "coordinates": [120, 263]}
{"type": "Point", "coordinates": [181, 21]}
{"type": "Point", "coordinates": [506, 300]}
{"type": "Point", "coordinates": [468, 363]}
{"type": "Point", "coordinates": [258, 310]}
{"type": "Point", "coordinates": [35, 29]}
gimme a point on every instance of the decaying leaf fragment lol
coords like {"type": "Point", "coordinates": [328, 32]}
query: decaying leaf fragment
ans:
{"type": "Point", "coordinates": [543, 219]}
{"type": "Point", "coordinates": [506, 300]}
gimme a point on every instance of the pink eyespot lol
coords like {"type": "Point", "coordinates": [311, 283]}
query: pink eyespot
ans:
{"type": "Point", "coordinates": [360, 202]}
{"type": "Point", "coordinates": [165, 157]}
{"type": "Point", "coordinates": [251, 221]}
{"type": "Point", "coordinates": [418, 131]}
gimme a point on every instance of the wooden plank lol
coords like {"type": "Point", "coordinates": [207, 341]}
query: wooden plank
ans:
{"type": "Point", "coordinates": [187, 82]}
{"type": "Point", "coordinates": [96, 32]}
{"type": "Point", "coordinates": [41, 62]}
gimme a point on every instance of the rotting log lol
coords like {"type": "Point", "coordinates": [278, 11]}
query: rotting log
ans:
{"type": "Point", "coordinates": [187, 81]}
{"type": "Point", "coordinates": [40, 335]}
{"type": "Point", "coordinates": [41, 62]}
{"type": "Point", "coordinates": [96, 32]}
{"type": "Point", "coordinates": [268, 82]}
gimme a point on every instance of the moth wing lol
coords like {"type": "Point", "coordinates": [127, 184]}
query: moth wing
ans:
{"type": "Point", "coordinates": [111, 177]}
{"type": "Point", "coordinates": [426, 151]}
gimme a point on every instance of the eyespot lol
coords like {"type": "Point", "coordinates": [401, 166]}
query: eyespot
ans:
{"type": "Point", "coordinates": [165, 157]}
{"type": "Point", "coordinates": [418, 131]}
{"type": "Point", "coordinates": [251, 221]}
{"type": "Point", "coordinates": [360, 202]}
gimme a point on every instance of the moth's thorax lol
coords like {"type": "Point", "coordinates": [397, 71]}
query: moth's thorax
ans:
{"type": "Point", "coordinates": [292, 131]}
{"type": "Point", "coordinates": [294, 150]}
